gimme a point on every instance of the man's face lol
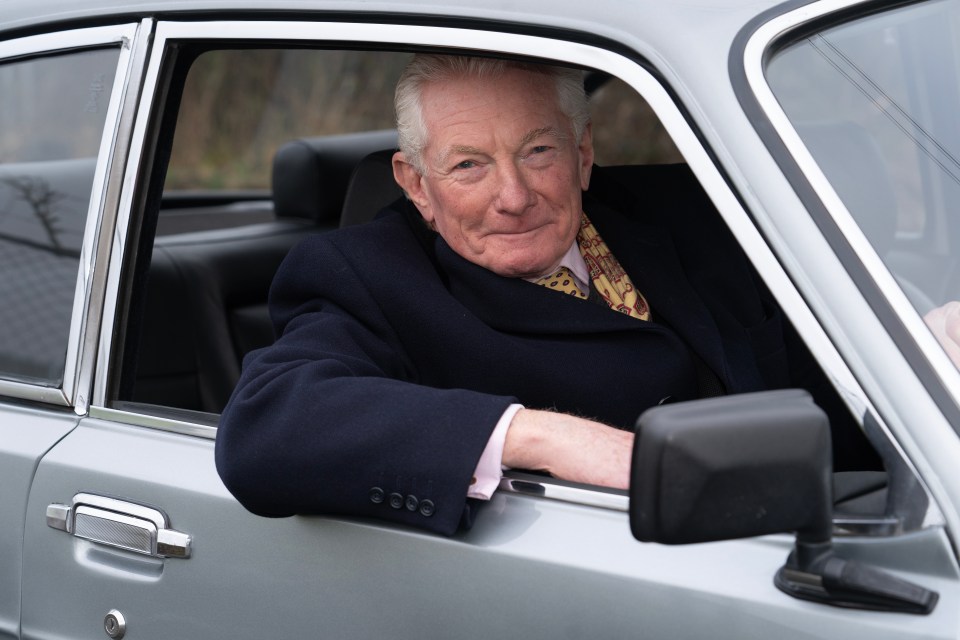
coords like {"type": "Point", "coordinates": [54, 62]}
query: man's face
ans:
{"type": "Point", "coordinates": [503, 172]}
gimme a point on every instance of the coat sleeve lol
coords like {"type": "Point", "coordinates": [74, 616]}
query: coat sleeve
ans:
{"type": "Point", "coordinates": [330, 419]}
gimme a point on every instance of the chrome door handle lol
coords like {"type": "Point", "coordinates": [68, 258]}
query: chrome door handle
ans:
{"type": "Point", "coordinates": [121, 524]}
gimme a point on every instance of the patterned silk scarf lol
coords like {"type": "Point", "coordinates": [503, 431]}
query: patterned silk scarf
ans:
{"type": "Point", "coordinates": [609, 279]}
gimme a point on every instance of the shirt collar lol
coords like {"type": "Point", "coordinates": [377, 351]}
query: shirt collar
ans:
{"type": "Point", "coordinates": [573, 261]}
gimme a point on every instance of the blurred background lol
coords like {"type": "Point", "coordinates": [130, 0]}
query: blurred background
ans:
{"type": "Point", "coordinates": [240, 106]}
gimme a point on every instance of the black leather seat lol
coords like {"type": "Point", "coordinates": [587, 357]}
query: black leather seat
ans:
{"type": "Point", "coordinates": [206, 300]}
{"type": "Point", "coordinates": [371, 188]}
{"type": "Point", "coordinates": [310, 176]}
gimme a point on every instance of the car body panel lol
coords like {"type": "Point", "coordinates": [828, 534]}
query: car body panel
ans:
{"type": "Point", "coordinates": [532, 565]}
{"type": "Point", "coordinates": [27, 434]}
{"type": "Point", "coordinates": [359, 579]}
{"type": "Point", "coordinates": [884, 371]}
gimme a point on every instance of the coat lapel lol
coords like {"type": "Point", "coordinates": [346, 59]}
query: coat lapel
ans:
{"type": "Point", "coordinates": [513, 305]}
{"type": "Point", "coordinates": [646, 253]}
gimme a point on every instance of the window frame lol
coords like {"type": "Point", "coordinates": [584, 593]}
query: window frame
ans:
{"type": "Point", "coordinates": [635, 73]}
{"type": "Point", "coordinates": [921, 419]}
{"type": "Point", "coordinates": [84, 321]}
{"type": "Point", "coordinates": [763, 45]}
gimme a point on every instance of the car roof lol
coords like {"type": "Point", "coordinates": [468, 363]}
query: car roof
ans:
{"type": "Point", "coordinates": [681, 20]}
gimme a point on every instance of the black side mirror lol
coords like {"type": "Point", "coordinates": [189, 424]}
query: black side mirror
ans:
{"type": "Point", "coordinates": [718, 469]}
{"type": "Point", "coordinates": [749, 465]}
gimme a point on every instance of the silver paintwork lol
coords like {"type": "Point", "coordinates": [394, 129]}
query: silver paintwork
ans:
{"type": "Point", "coordinates": [932, 449]}
{"type": "Point", "coordinates": [563, 553]}
{"type": "Point", "coordinates": [683, 136]}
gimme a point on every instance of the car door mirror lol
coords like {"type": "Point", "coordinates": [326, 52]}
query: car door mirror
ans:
{"type": "Point", "coordinates": [749, 465]}
{"type": "Point", "coordinates": [732, 467]}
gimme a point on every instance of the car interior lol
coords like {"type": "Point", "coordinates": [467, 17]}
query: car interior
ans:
{"type": "Point", "coordinates": [198, 299]}
{"type": "Point", "coordinates": [206, 300]}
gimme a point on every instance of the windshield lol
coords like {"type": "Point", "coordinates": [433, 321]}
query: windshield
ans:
{"type": "Point", "coordinates": [875, 102]}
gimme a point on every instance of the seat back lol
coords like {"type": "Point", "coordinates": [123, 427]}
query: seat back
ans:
{"type": "Point", "coordinates": [371, 188]}
{"type": "Point", "coordinates": [310, 175]}
{"type": "Point", "coordinates": [206, 299]}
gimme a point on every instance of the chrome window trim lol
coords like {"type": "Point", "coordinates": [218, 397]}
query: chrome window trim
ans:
{"type": "Point", "coordinates": [628, 70]}
{"type": "Point", "coordinates": [154, 422]}
{"type": "Point", "coordinates": [527, 484]}
{"type": "Point", "coordinates": [63, 41]}
{"type": "Point", "coordinates": [755, 53]}
{"type": "Point", "coordinates": [128, 91]}
{"type": "Point", "coordinates": [544, 487]}
{"type": "Point", "coordinates": [83, 306]}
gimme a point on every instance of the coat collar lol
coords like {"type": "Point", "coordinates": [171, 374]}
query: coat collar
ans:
{"type": "Point", "coordinates": [646, 253]}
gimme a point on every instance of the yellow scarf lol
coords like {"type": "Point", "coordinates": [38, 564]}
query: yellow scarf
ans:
{"type": "Point", "coordinates": [610, 280]}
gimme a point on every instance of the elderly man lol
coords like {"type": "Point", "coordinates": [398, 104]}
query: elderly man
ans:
{"type": "Point", "coordinates": [498, 316]}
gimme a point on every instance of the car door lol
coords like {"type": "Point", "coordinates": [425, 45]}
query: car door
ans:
{"type": "Point", "coordinates": [58, 104]}
{"type": "Point", "coordinates": [129, 531]}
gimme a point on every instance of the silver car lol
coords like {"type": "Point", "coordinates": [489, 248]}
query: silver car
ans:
{"type": "Point", "coordinates": [159, 157]}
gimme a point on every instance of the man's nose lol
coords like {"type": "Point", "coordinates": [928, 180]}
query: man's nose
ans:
{"type": "Point", "coordinates": [515, 195]}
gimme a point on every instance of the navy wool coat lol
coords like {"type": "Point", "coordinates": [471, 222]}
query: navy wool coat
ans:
{"type": "Point", "coordinates": [396, 357]}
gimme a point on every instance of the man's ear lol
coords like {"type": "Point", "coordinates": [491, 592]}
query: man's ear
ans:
{"type": "Point", "coordinates": [411, 182]}
{"type": "Point", "coordinates": [586, 156]}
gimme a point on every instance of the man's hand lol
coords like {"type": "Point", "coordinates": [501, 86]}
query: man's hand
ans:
{"type": "Point", "coordinates": [944, 322]}
{"type": "Point", "coordinates": [569, 448]}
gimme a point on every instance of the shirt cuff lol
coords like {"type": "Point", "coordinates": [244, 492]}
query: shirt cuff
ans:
{"type": "Point", "coordinates": [486, 478]}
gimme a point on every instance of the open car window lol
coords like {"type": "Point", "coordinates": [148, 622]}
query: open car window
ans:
{"type": "Point", "coordinates": [235, 202]}
{"type": "Point", "coordinates": [262, 152]}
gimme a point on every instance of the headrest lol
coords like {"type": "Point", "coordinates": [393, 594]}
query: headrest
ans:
{"type": "Point", "coordinates": [310, 175]}
{"type": "Point", "coordinates": [371, 188]}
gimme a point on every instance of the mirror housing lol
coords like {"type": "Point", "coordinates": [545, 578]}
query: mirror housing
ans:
{"type": "Point", "coordinates": [749, 465]}
{"type": "Point", "coordinates": [732, 467]}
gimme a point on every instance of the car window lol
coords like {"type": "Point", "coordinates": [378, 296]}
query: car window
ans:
{"type": "Point", "coordinates": [263, 147]}
{"type": "Point", "coordinates": [239, 106]}
{"type": "Point", "coordinates": [292, 125]}
{"type": "Point", "coordinates": [198, 299]}
{"type": "Point", "coordinates": [52, 114]}
{"type": "Point", "coordinates": [625, 128]}
{"type": "Point", "coordinates": [273, 96]}
{"type": "Point", "coordinates": [873, 100]}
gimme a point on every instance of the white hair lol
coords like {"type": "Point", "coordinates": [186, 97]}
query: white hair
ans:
{"type": "Point", "coordinates": [427, 68]}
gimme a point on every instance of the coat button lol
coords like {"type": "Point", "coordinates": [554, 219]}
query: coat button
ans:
{"type": "Point", "coordinates": [411, 503]}
{"type": "Point", "coordinates": [396, 500]}
{"type": "Point", "coordinates": [426, 508]}
{"type": "Point", "coordinates": [376, 495]}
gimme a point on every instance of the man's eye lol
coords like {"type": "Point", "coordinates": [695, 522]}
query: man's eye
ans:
{"type": "Point", "coordinates": [466, 164]}
{"type": "Point", "coordinates": [537, 152]}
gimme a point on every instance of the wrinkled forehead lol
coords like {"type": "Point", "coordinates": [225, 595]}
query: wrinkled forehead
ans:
{"type": "Point", "coordinates": [502, 81]}
{"type": "Point", "coordinates": [513, 103]}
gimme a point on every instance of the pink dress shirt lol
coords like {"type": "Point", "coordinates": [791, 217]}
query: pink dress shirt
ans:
{"type": "Point", "coordinates": [486, 477]}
